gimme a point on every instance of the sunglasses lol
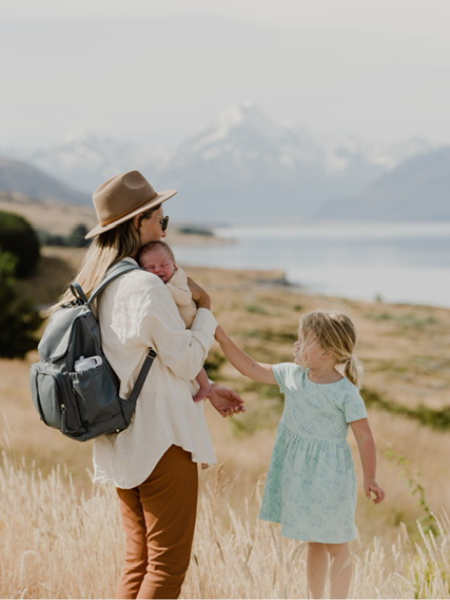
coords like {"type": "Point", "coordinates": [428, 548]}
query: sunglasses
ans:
{"type": "Point", "coordinates": [164, 222]}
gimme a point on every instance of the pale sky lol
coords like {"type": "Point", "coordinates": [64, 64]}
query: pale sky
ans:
{"type": "Point", "coordinates": [154, 71]}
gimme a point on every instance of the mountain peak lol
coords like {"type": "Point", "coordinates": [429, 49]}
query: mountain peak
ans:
{"type": "Point", "coordinates": [237, 114]}
{"type": "Point", "coordinates": [77, 136]}
{"type": "Point", "coordinates": [245, 116]}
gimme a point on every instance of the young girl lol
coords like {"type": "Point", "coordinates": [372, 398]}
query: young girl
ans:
{"type": "Point", "coordinates": [311, 484]}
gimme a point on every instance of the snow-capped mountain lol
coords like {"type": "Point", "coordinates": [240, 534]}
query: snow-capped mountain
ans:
{"type": "Point", "coordinates": [414, 190]}
{"type": "Point", "coordinates": [244, 164]}
{"type": "Point", "coordinates": [85, 160]}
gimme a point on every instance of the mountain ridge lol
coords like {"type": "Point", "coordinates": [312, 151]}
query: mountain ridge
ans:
{"type": "Point", "coordinates": [404, 190]}
{"type": "Point", "coordinates": [18, 176]}
{"type": "Point", "coordinates": [245, 165]}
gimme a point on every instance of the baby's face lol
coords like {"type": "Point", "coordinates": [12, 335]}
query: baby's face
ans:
{"type": "Point", "coordinates": [159, 262]}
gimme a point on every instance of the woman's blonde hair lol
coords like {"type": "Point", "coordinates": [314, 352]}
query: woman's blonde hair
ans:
{"type": "Point", "coordinates": [336, 332]}
{"type": "Point", "coordinates": [105, 250]}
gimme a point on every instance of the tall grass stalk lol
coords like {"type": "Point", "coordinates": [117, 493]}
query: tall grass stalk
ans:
{"type": "Point", "coordinates": [56, 543]}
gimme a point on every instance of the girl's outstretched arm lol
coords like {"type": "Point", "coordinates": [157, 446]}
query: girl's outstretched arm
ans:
{"type": "Point", "coordinates": [242, 361]}
{"type": "Point", "coordinates": [366, 446]}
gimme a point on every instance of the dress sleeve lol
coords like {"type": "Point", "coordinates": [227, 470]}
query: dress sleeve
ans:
{"type": "Point", "coordinates": [284, 375]}
{"type": "Point", "coordinates": [353, 406]}
{"type": "Point", "coordinates": [178, 287]}
{"type": "Point", "coordinates": [160, 326]}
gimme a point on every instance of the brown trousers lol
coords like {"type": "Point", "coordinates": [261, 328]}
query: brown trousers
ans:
{"type": "Point", "coordinates": [158, 517]}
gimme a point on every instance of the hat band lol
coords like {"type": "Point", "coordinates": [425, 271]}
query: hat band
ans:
{"type": "Point", "coordinates": [104, 223]}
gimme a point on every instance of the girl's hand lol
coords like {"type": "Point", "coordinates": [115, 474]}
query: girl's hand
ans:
{"type": "Point", "coordinates": [372, 487]}
{"type": "Point", "coordinates": [199, 295]}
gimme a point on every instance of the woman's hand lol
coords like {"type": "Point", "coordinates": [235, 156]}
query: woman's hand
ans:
{"type": "Point", "coordinates": [227, 402]}
{"type": "Point", "coordinates": [199, 295]}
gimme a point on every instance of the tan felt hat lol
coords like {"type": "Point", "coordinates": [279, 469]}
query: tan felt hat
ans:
{"type": "Point", "coordinates": [121, 198]}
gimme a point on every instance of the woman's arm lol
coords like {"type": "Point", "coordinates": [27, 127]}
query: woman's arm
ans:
{"type": "Point", "coordinates": [366, 446]}
{"type": "Point", "coordinates": [158, 324]}
{"type": "Point", "coordinates": [199, 295]}
{"type": "Point", "coordinates": [242, 361]}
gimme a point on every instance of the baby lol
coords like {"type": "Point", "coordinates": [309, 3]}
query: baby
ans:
{"type": "Point", "coordinates": [158, 258]}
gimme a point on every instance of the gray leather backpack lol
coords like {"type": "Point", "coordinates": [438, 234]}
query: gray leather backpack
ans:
{"type": "Point", "coordinates": [74, 388]}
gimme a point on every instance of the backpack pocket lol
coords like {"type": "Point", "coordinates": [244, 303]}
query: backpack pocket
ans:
{"type": "Point", "coordinates": [98, 398]}
{"type": "Point", "coordinates": [55, 400]}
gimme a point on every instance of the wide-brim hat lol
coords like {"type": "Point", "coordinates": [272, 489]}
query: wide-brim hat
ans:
{"type": "Point", "coordinates": [123, 197]}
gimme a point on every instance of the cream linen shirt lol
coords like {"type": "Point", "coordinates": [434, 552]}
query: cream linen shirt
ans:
{"type": "Point", "coordinates": [137, 311]}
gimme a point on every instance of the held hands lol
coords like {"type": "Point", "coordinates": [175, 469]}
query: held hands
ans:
{"type": "Point", "coordinates": [372, 487]}
{"type": "Point", "coordinates": [227, 402]}
{"type": "Point", "coordinates": [199, 295]}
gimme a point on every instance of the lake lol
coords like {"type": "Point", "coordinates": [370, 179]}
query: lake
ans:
{"type": "Point", "coordinates": [408, 262]}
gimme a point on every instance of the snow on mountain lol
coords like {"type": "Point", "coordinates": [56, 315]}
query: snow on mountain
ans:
{"type": "Point", "coordinates": [244, 162]}
{"type": "Point", "coordinates": [85, 160]}
{"type": "Point", "coordinates": [414, 190]}
{"type": "Point", "coordinates": [250, 164]}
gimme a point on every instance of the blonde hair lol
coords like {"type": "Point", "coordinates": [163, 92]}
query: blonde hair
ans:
{"type": "Point", "coordinates": [156, 244]}
{"type": "Point", "coordinates": [336, 332]}
{"type": "Point", "coordinates": [105, 250]}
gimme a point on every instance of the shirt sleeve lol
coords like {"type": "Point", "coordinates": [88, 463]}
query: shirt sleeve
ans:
{"type": "Point", "coordinates": [353, 406]}
{"type": "Point", "coordinates": [160, 326]}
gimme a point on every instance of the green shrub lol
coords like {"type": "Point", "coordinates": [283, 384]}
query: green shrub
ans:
{"type": "Point", "coordinates": [189, 230]}
{"type": "Point", "coordinates": [75, 239]}
{"type": "Point", "coordinates": [435, 418]}
{"type": "Point", "coordinates": [256, 309]}
{"type": "Point", "coordinates": [19, 319]}
{"type": "Point", "coordinates": [213, 363]}
{"type": "Point", "coordinates": [18, 237]}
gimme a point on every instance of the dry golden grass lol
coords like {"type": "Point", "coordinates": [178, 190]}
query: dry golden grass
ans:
{"type": "Point", "coordinates": [58, 545]}
{"type": "Point", "coordinates": [65, 540]}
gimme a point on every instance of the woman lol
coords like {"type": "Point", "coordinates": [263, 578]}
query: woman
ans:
{"type": "Point", "coordinates": [153, 463]}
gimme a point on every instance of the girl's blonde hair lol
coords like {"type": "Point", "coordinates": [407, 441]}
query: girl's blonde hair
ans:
{"type": "Point", "coordinates": [336, 332]}
{"type": "Point", "coordinates": [105, 250]}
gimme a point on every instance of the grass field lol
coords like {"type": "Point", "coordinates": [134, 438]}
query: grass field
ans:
{"type": "Point", "coordinates": [61, 537]}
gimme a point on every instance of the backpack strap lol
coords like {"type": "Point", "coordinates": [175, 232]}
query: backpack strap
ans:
{"type": "Point", "coordinates": [151, 355]}
{"type": "Point", "coordinates": [77, 291]}
{"type": "Point", "coordinates": [118, 269]}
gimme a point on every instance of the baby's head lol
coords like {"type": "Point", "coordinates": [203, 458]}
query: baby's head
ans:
{"type": "Point", "coordinates": [157, 257]}
{"type": "Point", "coordinates": [335, 332]}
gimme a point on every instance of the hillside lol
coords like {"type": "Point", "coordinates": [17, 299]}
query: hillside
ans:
{"type": "Point", "coordinates": [52, 216]}
{"type": "Point", "coordinates": [18, 176]}
{"type": "Point", "coordinates": [416, 190]}
{"type": "Point", "coordinates": [405, 352]}
{"type": "Point", "coordinates": [404, 349]}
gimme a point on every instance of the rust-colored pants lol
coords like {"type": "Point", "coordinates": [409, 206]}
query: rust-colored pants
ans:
{"type": "Point", "coordinates": [158, 517]}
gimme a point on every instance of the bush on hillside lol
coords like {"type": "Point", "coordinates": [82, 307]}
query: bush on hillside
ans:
{"type": "Point", "coordinates": [19, 319]}
{"type": "Point", "coordinates": [18, 237]}
{"type": "Point", "coordinates": [75, 239]}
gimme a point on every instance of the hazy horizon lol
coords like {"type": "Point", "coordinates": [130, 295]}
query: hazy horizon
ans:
{"type": "Point", "coordinates": [154, 72]}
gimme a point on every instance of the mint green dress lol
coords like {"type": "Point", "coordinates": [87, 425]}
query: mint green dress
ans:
{"type": "Point", "coordinates": [311, 483]}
